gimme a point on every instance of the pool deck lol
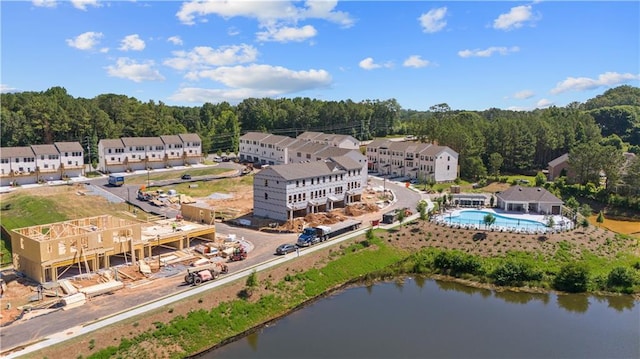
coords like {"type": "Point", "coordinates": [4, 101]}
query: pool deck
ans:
{"type": "Point", "coordinates": [561, 222]}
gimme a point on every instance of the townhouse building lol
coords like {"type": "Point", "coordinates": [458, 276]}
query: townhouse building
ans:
{"type": "Point", "coordinates": [268, 149]}
{"type": "Point", "coordinates": [285, 191]}
{"type": "Point", "coordinates": [139, 153]}
{"type": "Point", "coordinates": [192, 148]}
{"type": "Point", "coordinates": [71, 158]}
{"type": "Point", "coordinates": [335, 140]}
{"type": "Point", "coordinates": [174, 150]}
{"type": "Point", "coordinates": [412, 160]}
{"type": "Point", "coordinates": [40, 163]}
{"type": "Point", "coordinates": [17, 166]}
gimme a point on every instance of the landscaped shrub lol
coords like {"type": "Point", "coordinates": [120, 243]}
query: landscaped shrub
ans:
{"type": "Point", "coordinates": [573, 278]}
{"type": "Point", "coordinates": [620, 277]}
{"type": "Point", "coordinates": [456, 262]}
{"type": "Point", "coordinates": [515, 273]}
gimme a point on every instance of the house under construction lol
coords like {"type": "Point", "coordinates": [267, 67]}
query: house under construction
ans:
{"type": "Point", "coordinates": [46, 252]}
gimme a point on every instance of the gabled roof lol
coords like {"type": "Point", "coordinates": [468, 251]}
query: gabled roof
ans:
{"type": "Point", "coordinates": [528, 194]}
{"type": "Point", "coordinates": [559, 160]}
{"type": "Point", "coordinates": [435, 150]}
{"type": "Point", "coordinates": [171, 139]}
{"type": "Point", "coordinates": [302, 170]}
{"type": "Point", "coordinates": [287, 142]}
{"type": "Point", "coordinates": [112, 143]}
{"type": "Point", "coordinates": [311, 147]}
{"type": "Point", "coordinates": [347, 162]}
{"type": "Point", "coordinates": [189, 137]}
{"type": "Point", "coordinates": [274, 139]}
{"type": "Point", "coordinates": [379, 143]}
{"type": "Point", "coordinates": [69, 146]}
{"type": "Point", "coordinates": [44, 150]}
{"type": "Point", "coordinates": [309, 135]}
{"type": "Point", "coordinates": [332, 151]}
{"type": "Point", "coordinates": [13, 152]}
{"type": "Point", "coordinates": [142, 141]}
{"type": "Point", "coordinates": [254, 136]}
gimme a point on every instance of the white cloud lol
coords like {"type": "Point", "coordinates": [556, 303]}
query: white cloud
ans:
{"type": "Point", "coordinates": [233, 31]}
{"type": "Point", "coordinates": [44, 3]}
{"type": "Point", "coordinates": [176, 40]}
{"type": "Point", "coordinates": [4, 88]}
{"type": "Point", "coordinates": [286, 34]}
{"type": "Point", "coordinates": [203, 57]}
{"type": "Point", "coordinates": [432, 21]}
{"type": "Point", "coordinates": [278, 20]}
{"type": "Point", "coordinates": [514, 19]}
{"type": "Point", "coordinates": [488, 51]}
{"type": "Point", "coordinates": [266, 12]}
{"type": "Point", "coordinates": [607, 79]}
{"type": "Point", "coordinates": [82, 4]}
{"type": "Point", "coordinates": [368, 64]}
{"type": "Point", "coordinates": [132, 42]}
{"type": "Point", "coordinates": [415, 61]}
{"type": "Point", "coordinates": [524, 94]}
{"type": "Point", "coordinates": [274, 79]}
{"type": "Point", "coordinates": [132, 70]}
{"type": "Point", "coordinates": [542, 103]}
{"type": "Point", "coordinates": [85, 41]}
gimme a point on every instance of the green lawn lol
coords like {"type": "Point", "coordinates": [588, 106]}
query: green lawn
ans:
{"type": "Point", "coordinates": [165, 175]}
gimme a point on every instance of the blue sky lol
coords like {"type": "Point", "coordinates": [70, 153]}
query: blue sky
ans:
{"type": "Point", "coordinates": [471, 55]}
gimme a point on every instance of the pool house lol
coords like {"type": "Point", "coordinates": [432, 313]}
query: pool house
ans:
{"type": "Point", "coordinates": [529, 199]}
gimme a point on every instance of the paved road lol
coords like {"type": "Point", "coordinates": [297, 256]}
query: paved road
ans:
{"type": "Point", "coordinates": [30, 331]}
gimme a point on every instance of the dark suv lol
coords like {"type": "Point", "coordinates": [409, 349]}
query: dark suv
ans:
{"type": "Point", "coordinates": [186, 176]}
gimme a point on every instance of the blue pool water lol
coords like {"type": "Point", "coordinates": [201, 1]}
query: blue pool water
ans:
{"type": "Point", "coordinates": [475, 217]}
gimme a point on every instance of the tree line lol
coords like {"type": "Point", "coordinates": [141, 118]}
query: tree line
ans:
{"type": "Point", "coordinates": [489, 142]}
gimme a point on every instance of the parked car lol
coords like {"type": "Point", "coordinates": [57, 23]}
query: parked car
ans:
{"type": "Point", "coordinates": [186, 176]}
{"type": "Point", "coordinates": [286, 248]}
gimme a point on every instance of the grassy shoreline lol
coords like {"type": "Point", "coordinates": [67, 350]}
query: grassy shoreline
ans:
{"type": "Point", "coordinates": [363, 261]}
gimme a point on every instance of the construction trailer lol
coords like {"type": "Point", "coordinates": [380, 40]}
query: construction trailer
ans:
{"type": "Point", "coordinates": [45, 252]}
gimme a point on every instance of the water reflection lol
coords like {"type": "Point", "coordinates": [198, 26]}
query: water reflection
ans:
{"type": "Point", "coordinates": [521, 297]}
{"type": "Point", "coordinates": [457, 287]}
{"type": "Point", "coordinates": [578, 303]}
{"type": "Point", "coordinates": [619, 302]}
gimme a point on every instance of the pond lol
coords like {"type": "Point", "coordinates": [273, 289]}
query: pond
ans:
{"type": "Point", "coordinates": [419, 318]}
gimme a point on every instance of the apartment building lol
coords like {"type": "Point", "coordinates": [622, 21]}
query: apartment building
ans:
{"type": "Point", "coordinates": [412, 160]}
{"type": "Point", "coordinates": [39, 163]}
{"type": "Point", "coordinates": [139, 153]}
{"type": "Point", "coordinates": [281, 192]}
{"type": "Point", "coordinates": [268, 149]}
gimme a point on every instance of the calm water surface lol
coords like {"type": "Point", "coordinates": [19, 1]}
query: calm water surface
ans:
{"type": "Point", "coordinates": [423, 318]}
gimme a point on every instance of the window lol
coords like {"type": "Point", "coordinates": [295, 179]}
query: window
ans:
{"type": "Point", "coordinates": [447, 168]}
{"type": "Point", "coordinates": [266, 183]}
{"type": "Point", "coordinates": [266, 196]}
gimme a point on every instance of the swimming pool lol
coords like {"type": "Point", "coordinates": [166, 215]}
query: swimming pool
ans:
{"type": "Point", "coordinates": [475, 218]}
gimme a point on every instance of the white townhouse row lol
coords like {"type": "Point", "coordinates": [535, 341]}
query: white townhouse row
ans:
{"type": "Point", "coordinates": [414, 160]}
{"type": "Point", "coordinates": [39, 163]}
{"type": "Point", "coordinates": [140, 153]}
{"type": "Point", "coordinates": [285, 191]}
{"type": "Point", "coordinates": [268, 149]}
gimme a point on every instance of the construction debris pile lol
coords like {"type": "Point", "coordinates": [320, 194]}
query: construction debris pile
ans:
{"type": "Point", "coordinates": [359, 209]}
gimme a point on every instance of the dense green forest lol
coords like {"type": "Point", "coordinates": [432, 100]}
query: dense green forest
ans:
{"type": "Point", "coordinates": [489, 142]}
